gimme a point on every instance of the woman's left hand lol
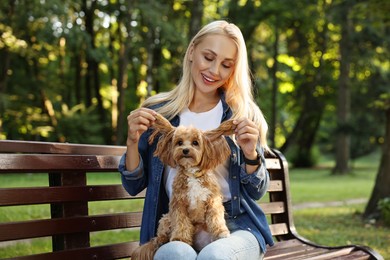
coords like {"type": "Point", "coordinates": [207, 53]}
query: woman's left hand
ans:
{"type": "Point", "coordinates": [247, 136]}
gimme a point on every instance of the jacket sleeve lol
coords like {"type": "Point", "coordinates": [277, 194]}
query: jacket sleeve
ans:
{"type": "Point", "coordinates": [256, 183]}
{"type": "Point", "coordinates": [136, 181]}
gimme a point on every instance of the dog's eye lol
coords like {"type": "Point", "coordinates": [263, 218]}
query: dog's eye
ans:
{"type": "Point", "coordinates": [180, 142]}
{"type": "Point", "coordinates": [195, 143]}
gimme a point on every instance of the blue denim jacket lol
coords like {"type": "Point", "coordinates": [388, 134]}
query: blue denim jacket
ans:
{"type": "Point", "coordinates": [243, 211]}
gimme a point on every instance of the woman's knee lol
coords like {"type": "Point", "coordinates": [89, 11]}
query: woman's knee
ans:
{"type": "Point", "coordinates": [175, 250]}
{"type": "Point", "coordinates": [240, 245]}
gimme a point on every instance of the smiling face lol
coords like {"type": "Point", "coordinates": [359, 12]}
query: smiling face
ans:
{"type": "Point", "coordinates": [213, 62]}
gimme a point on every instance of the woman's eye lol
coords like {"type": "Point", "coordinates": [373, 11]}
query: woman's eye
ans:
{"type": "Point", "coordinates": [208, 58]}
{"type": "Point", "coordinates": [195, 143]}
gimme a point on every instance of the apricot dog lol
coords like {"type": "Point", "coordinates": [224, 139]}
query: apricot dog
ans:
{"type": "Point", "coordinates": [196, 203]}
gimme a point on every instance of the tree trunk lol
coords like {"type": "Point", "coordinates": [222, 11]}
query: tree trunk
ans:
{"type": "Point", "coordinates": [196, 18]}
{"type": "Point", "coordinates": [381, 189]}
{"type": "Point", "coordinates": [344, 97]}
{"type": "Point", "coordinates": [301, 140]}
{"type": "Point", "coordinates": [5, 56]}
{"type": "Point", "coordinates": [92, 77]}
{"type": "Point", "coordinates": [274, 70]}
{"type": "Point", "coordinates": [123, 78]}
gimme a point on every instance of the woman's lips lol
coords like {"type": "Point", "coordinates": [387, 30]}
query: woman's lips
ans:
{"type": "Point", "coordinates": [208, 79]}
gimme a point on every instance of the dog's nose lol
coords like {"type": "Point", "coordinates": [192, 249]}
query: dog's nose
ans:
{"type": "Point", "coordinates": [186, 151]}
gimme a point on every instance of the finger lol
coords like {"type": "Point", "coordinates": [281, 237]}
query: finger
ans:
{"type": "Point", "coordinates": [143, 113]}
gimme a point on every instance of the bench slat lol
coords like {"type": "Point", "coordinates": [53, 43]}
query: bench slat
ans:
{"type": "Point", "coordinates": [272, 163]}
{"type": "Point", "coordinates": [113, 251]}
{"type": "Point", "coordinates": [41, 195]}
{"type": "Point", "coordinates": [55, 163]}
{"type": "Point", "coordinates": [11, 146]}
{"type": "Point", "coordinates": [48, 227]}
{"type": "Point", "coordinates": [278, 229]}
{"type": "Point", "coordinates": [355, 255]}
{"type": "Point", "coordinates": [272, 207]}
{"type": "Point", "coordinates": [275, 185]}
{"type": "Point", "coordinates": [297, 250]}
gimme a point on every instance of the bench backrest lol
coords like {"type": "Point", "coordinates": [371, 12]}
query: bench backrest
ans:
{"type": "Point", "coordinates": [69, 195]}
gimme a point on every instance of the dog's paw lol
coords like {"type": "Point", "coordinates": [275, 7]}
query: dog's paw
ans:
{"type": "Point", "coordinates": [224, 234]}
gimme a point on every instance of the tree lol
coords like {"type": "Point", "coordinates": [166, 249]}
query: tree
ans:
{"type": "Point", "coordinates": [382, 183]}
{"type": "Point", "coordinates": [344, 93]}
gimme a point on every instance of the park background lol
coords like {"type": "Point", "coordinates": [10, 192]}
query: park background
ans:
{"type": "Point", "coordinates": [71, 71]}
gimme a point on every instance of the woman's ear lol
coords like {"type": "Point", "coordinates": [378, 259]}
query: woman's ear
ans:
{"type": "Point", "coordinates": [191, 53]}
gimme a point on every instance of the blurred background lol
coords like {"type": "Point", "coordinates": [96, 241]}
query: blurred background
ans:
{"type": "Point", "coordinates": [71, 71]}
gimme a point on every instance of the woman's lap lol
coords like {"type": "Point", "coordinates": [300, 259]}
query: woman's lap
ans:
{"type": "Point", "coordinates": [239, 245]}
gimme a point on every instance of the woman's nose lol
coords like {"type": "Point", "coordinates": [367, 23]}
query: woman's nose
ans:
{"type": "Point", "coordinates": [214, 68]}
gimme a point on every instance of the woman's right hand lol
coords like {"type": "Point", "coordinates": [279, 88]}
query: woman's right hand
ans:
{"type": "Point", "coordinates": [138, 121]}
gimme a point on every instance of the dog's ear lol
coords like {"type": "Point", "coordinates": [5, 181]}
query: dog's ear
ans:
{"type": "Point", "coordinates": [216, 146]}
{"type": "Point", "coordinates": [164, 149]}
{"type": "Point", "coordinates": [225, 128]}
{"type": "Point", "coordinates": [160, 126]}
{"type": "Point", "coordinates": [163, 127]}
{"type": "Point", "coordinates": [216, 151]}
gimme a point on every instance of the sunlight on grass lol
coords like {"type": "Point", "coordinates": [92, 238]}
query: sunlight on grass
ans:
{"type": "Point", "coordinates": [26, 247]}
{"type": "Point", "coordinates": [117, 236]}
{"type": "Point", "coordinates": [341, 226]}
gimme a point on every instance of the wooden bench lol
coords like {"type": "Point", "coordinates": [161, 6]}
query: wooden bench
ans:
{"type": "Point", "coordinates": [69, 196]}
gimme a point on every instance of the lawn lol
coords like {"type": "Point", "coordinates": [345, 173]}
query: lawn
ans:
{"type": "Point", "coordinates": [326, 225]}
{"type": "Point", "coordinates": [340, 225]}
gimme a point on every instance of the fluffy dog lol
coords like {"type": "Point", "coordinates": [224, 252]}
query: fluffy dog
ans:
{"type": "Point", "coordinates": [196, 204]}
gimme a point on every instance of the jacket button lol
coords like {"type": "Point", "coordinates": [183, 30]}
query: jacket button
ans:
{"type": "Point", "coordinates": [235, 197]}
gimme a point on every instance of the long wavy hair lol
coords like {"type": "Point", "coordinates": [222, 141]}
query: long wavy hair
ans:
{"type": "Point", "coordinates": [238, 89]}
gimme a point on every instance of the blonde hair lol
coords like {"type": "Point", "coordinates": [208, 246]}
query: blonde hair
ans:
{"type": "Point", "coordinates": [238, 89]}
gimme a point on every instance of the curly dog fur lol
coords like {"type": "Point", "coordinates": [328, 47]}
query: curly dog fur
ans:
{"type": "Point", "coordinates": [196, 204]}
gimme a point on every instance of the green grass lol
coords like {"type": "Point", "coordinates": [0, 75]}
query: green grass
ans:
{"type": "Point", "coordinates": [326, 226]}
{"type": "Point", "coordinates": [343, 225]}
{"type": "Point", "coordinates": [318, 185]}
{"type": "Point", "coordinates": [336, 226]}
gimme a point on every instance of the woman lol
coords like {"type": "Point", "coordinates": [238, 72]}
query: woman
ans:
{"type": "Point", "coordinates": [214, 87]}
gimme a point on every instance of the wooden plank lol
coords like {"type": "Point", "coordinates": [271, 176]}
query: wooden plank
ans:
{"type": "Point", "coordinates": [282, 249]}
{"type": "Point", "coordinates": [296, 252]}
{"type": "Point", "coordinates": [55, 163]}
{"type": "Point", "coordinates": [42, 195]}
{"type": "Point", "coordinates": [331, 254]}
{"type": "Point", "coordinates": [275, 185]}
{"type": "Point", "coordinates": [113, 251]}
{"type": "Point", "coordinates": [48, 227]}
{"type": "Point", "coordinates": [273, 207]}
{"type": "Point", "coordinates": [13, 146]}
{"type": "Point", "coordinates": [272, 163]}
{"type": "Point", "coordinates": [354, 255]}
{"type": "Point", "coordinates": [278, 229]}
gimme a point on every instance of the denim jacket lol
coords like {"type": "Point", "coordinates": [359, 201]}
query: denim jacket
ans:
{"type": "Point", "coordinates": [243, 211]}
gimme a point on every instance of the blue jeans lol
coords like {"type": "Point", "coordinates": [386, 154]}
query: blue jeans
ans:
{"type": "Point", "coordinates": [239, 245]}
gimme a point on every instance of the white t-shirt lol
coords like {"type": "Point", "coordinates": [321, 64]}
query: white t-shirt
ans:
{"type": "Point", "coordinates": [205, 121]}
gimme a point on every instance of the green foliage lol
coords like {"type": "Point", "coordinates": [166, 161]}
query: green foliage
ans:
{"type": "Point", "coordinates": [46, 47]}
{"type": "Point", "coordinates": [80, 125]}
{"type": "Point", "coordinates": [384, 207]}
{"type": "Point", "coordinates": [298, 158]}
